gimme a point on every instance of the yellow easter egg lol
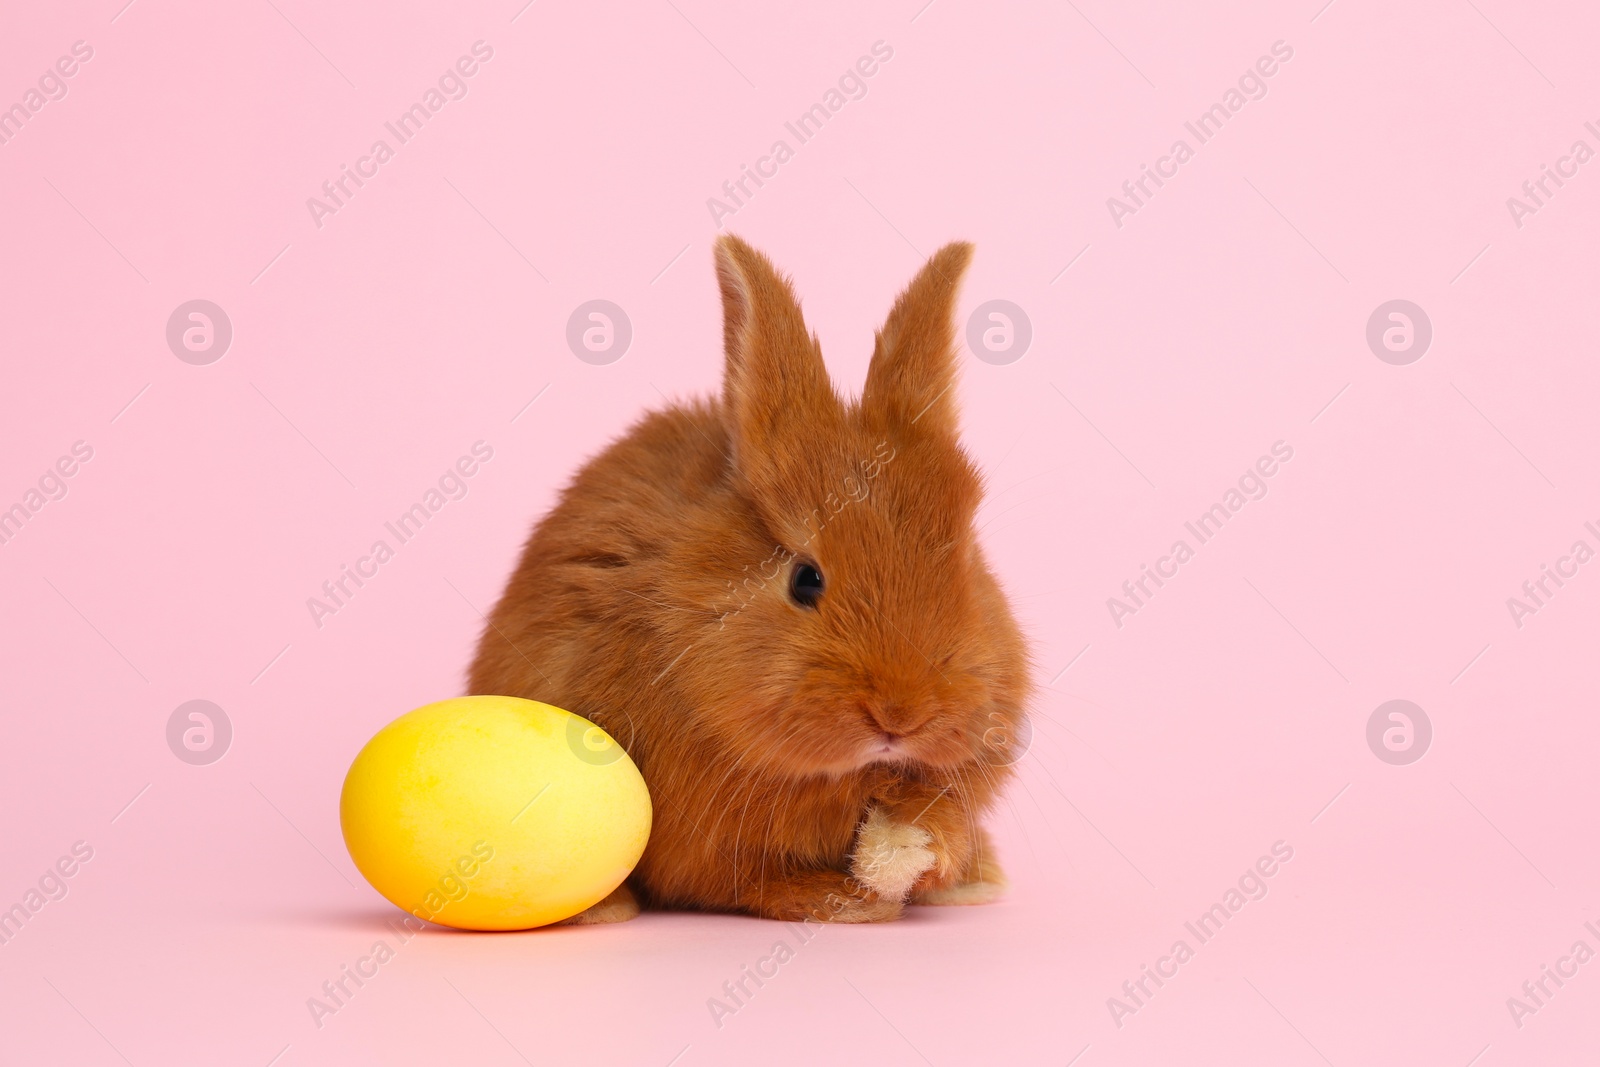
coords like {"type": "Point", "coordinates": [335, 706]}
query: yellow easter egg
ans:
{"type": "Point", "coordinates": [494, 813]}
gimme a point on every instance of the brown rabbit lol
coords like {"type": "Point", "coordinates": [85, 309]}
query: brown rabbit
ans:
{"type": "Point", "coordinates": [775, 601]}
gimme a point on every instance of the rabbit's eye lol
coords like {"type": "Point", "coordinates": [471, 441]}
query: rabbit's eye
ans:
{"type": "Point", "coordinates": [805, 585]}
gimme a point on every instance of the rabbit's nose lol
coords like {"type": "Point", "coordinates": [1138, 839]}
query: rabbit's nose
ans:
{"type": "Point", "coordinates": [894, 719]}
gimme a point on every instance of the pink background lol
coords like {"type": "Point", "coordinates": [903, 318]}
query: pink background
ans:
{"type": "Point", "coordinates": [1224, 316]}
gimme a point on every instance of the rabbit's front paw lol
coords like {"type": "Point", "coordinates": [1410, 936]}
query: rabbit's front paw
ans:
{"type": "Point", "coordinates": [890, 856]}
{"type": "Point", "coordinates": [618, 907]}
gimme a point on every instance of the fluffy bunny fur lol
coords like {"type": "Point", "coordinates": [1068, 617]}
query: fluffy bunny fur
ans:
{"type": "Point", "coordinates": [804, 762]}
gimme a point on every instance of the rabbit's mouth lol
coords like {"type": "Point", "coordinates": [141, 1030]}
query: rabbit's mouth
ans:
{"type": "Point", "coordinates": [889, 747]}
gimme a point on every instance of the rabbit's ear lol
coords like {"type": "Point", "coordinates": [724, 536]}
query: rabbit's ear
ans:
{"type": "Point", "coordinates": [911, 380]}
{"type": "Point", "coordinates": [776, 392]}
